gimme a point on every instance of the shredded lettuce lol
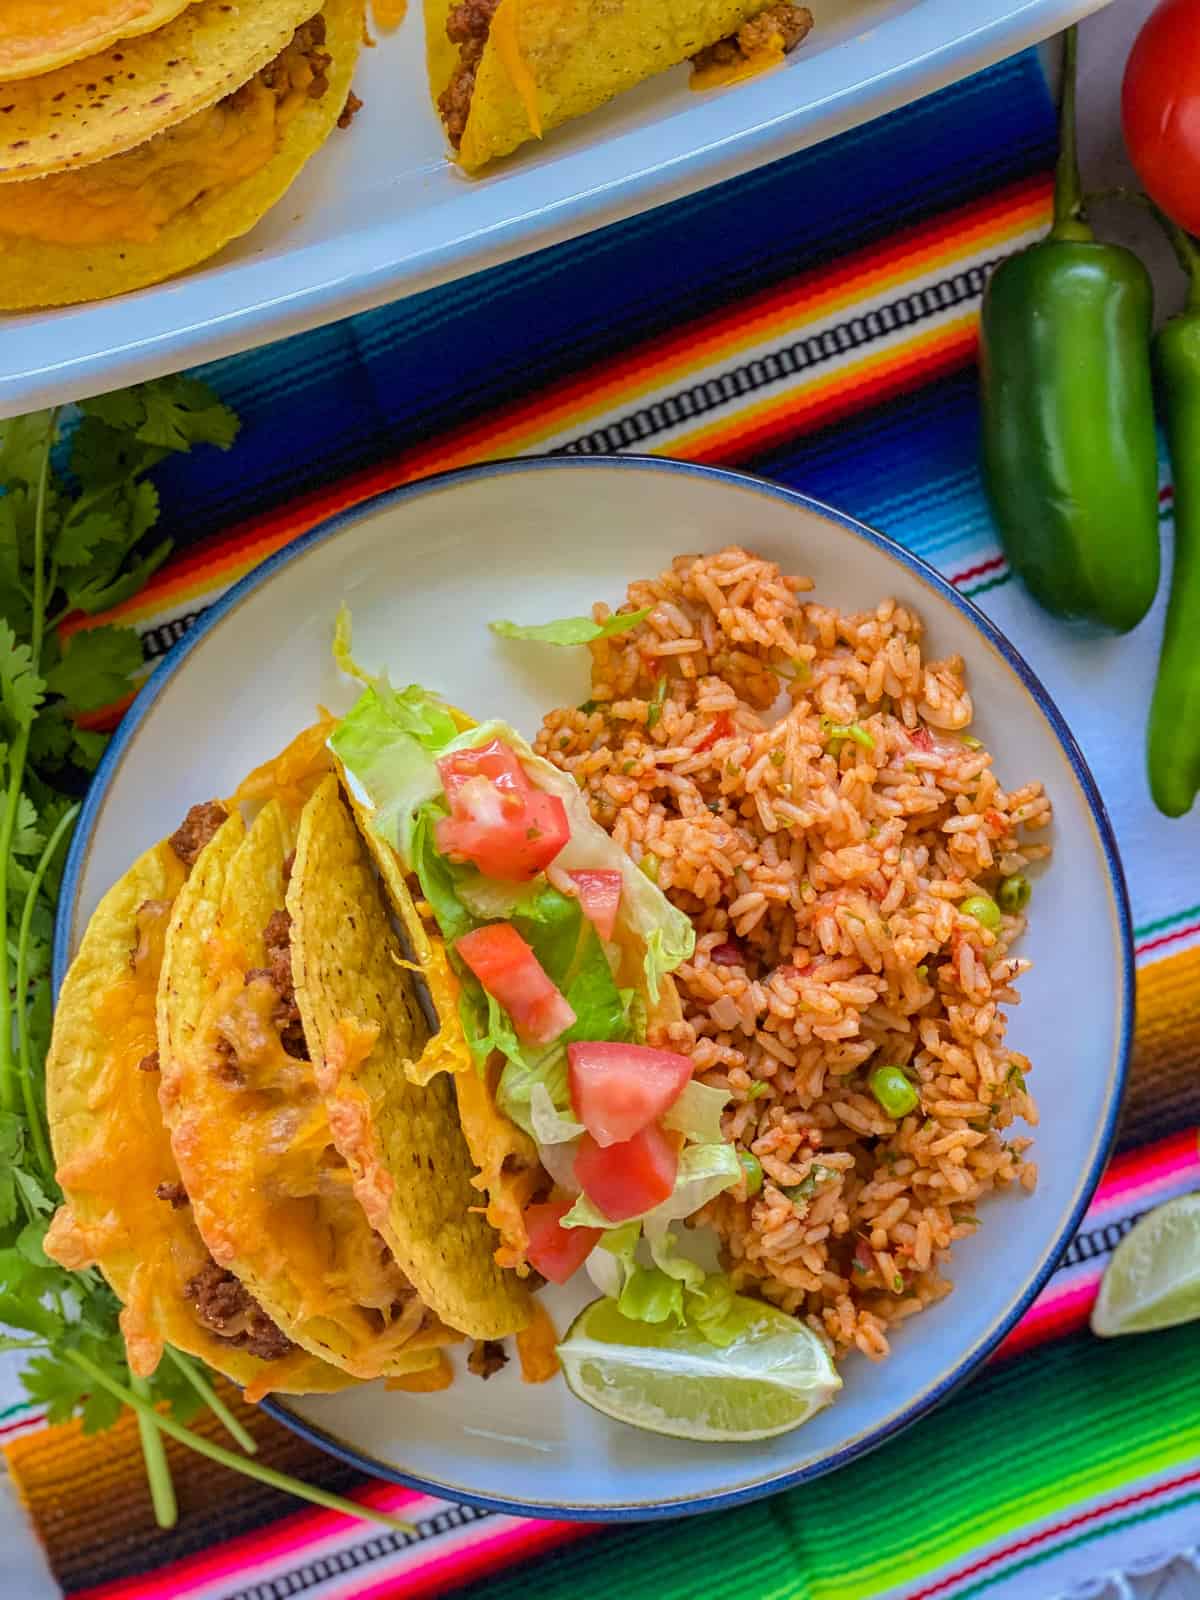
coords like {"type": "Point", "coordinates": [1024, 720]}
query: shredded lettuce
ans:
{"type": "Point", "coordinates": [697, 1113]}
{"type": "Point", "coordinates": [651, 1295]}
{"type": "Point", "coordinates": [571, 630]}
{"type": "Point", "coordinates": [440, 879]}
{"type": "Point", "coordinates": [550, 1125]}
{"type": "Point", "coordinates": [704, 1171]}
{"type": "Point", "coordinates": [672, 1287]}
{"type": "Point", "coordinates": [665, 1258]}
{"type": "Point", "coordinates": [712, 1309]}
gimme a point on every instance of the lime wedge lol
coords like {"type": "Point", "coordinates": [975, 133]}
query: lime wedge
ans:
{"type": "Point", "coordinates": [1153, 1279]}
{"type": "Point", "coordinates": [773, 1376]}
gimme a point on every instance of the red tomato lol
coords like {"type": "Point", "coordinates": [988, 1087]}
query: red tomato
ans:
{"type": "Point", "coordinates": [508, 969]}
{"type": "Point", "coordinates": [557, 1253]}
{"type": "Point", "coordinates": [497, 818]}
{"type": "Point", "coordinates": [496, 761]}
{"type": "Point", "coordinates": [721, 729]}
{"type": "Point", "coordinates": [619, 1089]}
{"type": "Point", "coordinates": [600, 898]}
{"type": "Point", "coordinates": [921, 737]}
{"type": "Point", "coordinates": [1160, 109]}
{"type": "Point", "coordinates": [623, 1180]}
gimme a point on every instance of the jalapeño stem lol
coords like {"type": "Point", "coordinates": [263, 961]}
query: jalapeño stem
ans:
{"type": "Point", "coordinates": [1068, 189]}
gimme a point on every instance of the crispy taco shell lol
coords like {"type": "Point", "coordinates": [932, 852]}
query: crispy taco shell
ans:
{"type": "Point", "coordinates": [95, 108]}
{"type": "Point", "coordinates": [548, 61]}
{"type": "Point", "coordinates": [113, 1154]}
{"type": "Point", "coordinates": [138, 217]}
{"type": "Point", "coordinates": [37, 37]}
{"type": "Point", "coordinates": [505, 1157]}
{"type": "Point", "coordinates": [271, 1195]}
{"type": "Point", "coordinates": [403, 1142]}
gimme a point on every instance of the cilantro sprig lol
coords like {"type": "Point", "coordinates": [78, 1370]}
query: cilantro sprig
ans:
{"type": "Point", "coordinates": [78, 513]}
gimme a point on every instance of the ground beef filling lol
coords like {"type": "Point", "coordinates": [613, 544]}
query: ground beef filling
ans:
{"type": "Point", "coordinates": [467, 26]}
{"type": "Point", "coordinates": [277, 937]}
{"type": "Point", "coordinates": [487, 1357]}
{"type": "Point", "coordinates": [791, 23]}
{"type": "Point", "coordinates": [303, 63]}
{"type": "Point", "coordinates": [174, 1194]}
{"type": "Point", "coordinates": [196, 829]}
{"type": "Point", "coordinates": [227, 1308]}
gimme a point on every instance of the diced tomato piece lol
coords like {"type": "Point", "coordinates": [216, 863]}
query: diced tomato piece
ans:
{"type": "Point", "coordinates": [497, 761]}
{"type": "Point", "coordinates": [722, 728]}
{"type": "Point", "coordinates": [623, 1180]}
{"type": "Point", "coordinates": [618, 1089]}
{"type": "Point", "coordinates": [508, 969]}
{"type": "Point", "coordinates": [600, 898]}
{"type": "Point", "coordinates": [498, 819]}
{"type": "Point", "coordinates": [556, 1252]}
{"type": "Point", "coordinates": [726, 955]}
{"type": "Point", "coordinates": [921, 737]}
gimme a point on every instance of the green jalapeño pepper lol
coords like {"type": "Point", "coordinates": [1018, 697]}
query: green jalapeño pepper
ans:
{"type": "Point", "coordinates": [1069, 454]}
{"type": "Point", "coordinates": [1173, 747]}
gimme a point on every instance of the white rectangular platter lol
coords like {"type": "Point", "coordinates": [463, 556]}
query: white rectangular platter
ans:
{"type": "Point", "coordinates": [381, 212]}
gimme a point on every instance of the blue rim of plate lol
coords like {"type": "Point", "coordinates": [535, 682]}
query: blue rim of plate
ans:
{"type": "Point", "coordinates": [938, 1392]}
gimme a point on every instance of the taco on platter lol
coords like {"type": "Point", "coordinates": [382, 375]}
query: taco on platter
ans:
{"type": "Point", "coordinates": [36, 37]}
{"type": "Point", "coordinates": [504, 71]}
{"type": "Point", "coordinates": [131, 165]}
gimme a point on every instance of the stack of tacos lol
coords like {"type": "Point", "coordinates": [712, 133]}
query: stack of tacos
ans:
{"type": "Point", "coordinates": [303, 1125]}
{"type": "Point", "coordinates": [137, 137]}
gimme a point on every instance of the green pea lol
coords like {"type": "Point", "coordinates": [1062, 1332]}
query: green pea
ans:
{"type": "Point", "coordinates": [891, 1088]}
{"type": "Point", "coordinates": [1013, 894]}
{"type": "Point", "coordinates": [649, 865]}
{"type": "Point", "coordinates": [752, 1168]}
{"type": "Point", "coordinates": [983, 908]}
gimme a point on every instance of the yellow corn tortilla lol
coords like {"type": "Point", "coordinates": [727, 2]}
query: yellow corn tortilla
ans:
{"type": "Point", "coordinates": [39, 35]}
{"type": "Point", "coordinates": [95, 108]}
{"type": "Point", "coordinates": [548, 61]}
{"type": "Point", "coordinates": [271, 1196]}
{"type": "Point", "coordinates": [403, 1142]}
{"type": "Point", "coordinates": [112, 1150]}
{"type": "Point", "coordinates": [508, 1170]}
{"type": "Point", "coordinates": [181, 197]}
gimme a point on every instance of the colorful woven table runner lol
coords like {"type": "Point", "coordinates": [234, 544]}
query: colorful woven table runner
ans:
{"type": "Point", "coordinates": [815, 321]}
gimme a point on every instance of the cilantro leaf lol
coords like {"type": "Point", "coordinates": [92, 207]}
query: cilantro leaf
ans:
{"type": "Point", "coordinates": [172, 413]}
{"type": "Point", "coordinates": [27, 838]}
{"type": "Point", "coordinates": [23, 442]}
{"type": "Point", "coordinates": [181, 412]}
{"type": "Point", "coordinates": [88, 748]}
{"type": "Point", "coordinates": [20, 687]}
{"type": "Point", "coordinates": [50, 736]}
{"type": "Point", "coordinates": [77, 541]}
{"type": "Point", "coordinates": [97, 667]}
{"type": "Point", "coordinates": [97, 590]}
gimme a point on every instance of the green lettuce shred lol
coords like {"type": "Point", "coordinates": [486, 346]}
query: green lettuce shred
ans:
{"type": "Point", "coordinates": [571, 630]}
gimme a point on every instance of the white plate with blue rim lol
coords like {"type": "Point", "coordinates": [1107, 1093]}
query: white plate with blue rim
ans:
{"type": "Point", "coordinates": [382, 212]}
{"type": "Point", "coordinates": [424, 569]}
